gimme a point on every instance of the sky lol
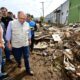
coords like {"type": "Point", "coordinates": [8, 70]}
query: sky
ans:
{"type": "Point", "coordinates": [34, 7]}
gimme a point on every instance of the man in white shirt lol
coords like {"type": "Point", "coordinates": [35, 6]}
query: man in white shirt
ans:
{"type": "Point", "coordinates": [19, 38]}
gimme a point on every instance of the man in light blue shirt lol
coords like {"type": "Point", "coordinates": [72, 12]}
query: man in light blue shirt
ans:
{"type": "Point", "coordinates": [33, 28]}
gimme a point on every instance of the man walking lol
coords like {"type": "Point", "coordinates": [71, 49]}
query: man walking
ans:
{"type": "Point", "coordinates": [19, 38]}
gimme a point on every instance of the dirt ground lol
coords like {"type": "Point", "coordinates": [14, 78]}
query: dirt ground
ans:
{"type": "Point", "coordinates": [43, 67]}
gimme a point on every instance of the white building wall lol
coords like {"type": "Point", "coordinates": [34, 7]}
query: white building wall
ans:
{"type": "Point", "coordinates": [63, 14]}
{"type": "Point", "coordinates": [54, 18]}
{"type": "Point", "coordinates": [47, 18]}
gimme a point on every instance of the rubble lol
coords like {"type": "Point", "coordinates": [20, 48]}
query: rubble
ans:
{"type": "Point", "coordinates": [41, 45]}
{"type": "Point", "coordinates": [63, 43]}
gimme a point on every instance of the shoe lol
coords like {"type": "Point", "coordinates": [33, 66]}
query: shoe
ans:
{"type": "Point", "coordinates": [30, 73]}
{"type": "Point", "coordinates": [3, 75]}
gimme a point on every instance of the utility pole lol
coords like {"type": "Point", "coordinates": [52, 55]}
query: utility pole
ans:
{"type": "Point", "coordinates": [43, 8]}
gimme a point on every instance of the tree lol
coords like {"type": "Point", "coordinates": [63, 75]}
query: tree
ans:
{"type": "Point", "coordinates": [42, 19]}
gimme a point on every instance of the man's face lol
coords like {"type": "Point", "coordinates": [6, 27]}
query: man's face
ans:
{"type": "Point", "coordinates": [28, 18]}
{"type": "Point", "coordinates": [4, 12]}
{"type": "Point", "coordinates": [22, 18]}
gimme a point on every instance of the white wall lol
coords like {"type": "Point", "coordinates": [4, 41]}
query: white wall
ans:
{"type": "Point", "coordinates": [54, 18]}
{"type": "Point", "coordinates": [63, 14]}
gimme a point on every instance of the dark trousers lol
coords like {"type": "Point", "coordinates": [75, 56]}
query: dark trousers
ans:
{"type": "Point", "coordinates": [32, 43]}
{"type": "Point", "coordinates": [7, 52]}
{"type": "Point", "coordinates": [17, 52]}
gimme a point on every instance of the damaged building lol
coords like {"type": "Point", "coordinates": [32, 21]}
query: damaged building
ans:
{"type": "Point", "coordinates": [59, 15]}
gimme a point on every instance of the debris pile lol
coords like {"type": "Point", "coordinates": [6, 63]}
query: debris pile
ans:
{"type": "Point", "coordinates": [61, 47]}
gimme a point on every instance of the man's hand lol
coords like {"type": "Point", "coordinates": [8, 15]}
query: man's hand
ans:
{"type": "Point", "coordinates": [9, 45]}
{"type": "Point", "coordinates": [32, 28]}
{"type": "Point", "coordinates": [1, 45]}
{"type": "Point", "coordinates": [29, 41]}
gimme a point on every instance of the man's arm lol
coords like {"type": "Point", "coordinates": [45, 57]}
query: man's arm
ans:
{"type": "Point", "coordinates": [8, 35]}
{"type": "Point", "coordinates": [1, 37]}
{"type": "Point", "coordinates": [29, 35]}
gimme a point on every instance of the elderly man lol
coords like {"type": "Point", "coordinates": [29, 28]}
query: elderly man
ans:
{"type": "Point", "coordinates": [19, 37]}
